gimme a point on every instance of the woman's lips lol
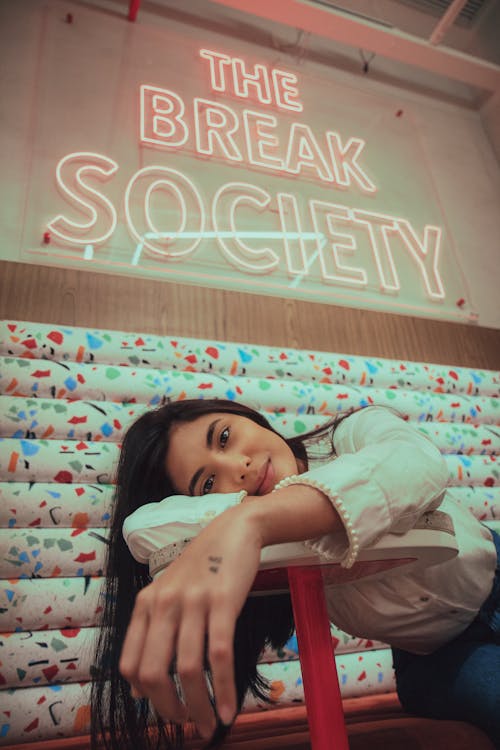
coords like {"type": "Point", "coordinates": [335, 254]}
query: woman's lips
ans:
{"type": "Point", "coordinates": [268, 480]}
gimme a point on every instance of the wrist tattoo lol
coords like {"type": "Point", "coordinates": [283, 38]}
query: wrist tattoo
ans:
{"type": "Point", "coordinates": [216, 561]}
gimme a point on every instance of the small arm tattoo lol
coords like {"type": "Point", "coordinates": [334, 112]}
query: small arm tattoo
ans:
{"type": "Point", "coordinates": [216, 561]}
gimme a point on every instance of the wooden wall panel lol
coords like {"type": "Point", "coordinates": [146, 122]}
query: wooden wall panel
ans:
{"type": "Point", "coordinates": [65, 296]}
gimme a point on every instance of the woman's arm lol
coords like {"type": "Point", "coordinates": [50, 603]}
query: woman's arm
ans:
{"type": "Point", "coordinates": [202, 592]}
{"type": "Point", "coordinates": [292, 514]}
{"type": "Point", "coordinates": [386, 476]}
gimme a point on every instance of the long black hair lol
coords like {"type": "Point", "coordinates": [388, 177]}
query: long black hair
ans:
{"type": "Point", "coordinates": [118, 721]}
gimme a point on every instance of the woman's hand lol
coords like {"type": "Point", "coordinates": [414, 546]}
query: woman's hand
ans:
{"type": "Point", "coordinates": [200, 594]}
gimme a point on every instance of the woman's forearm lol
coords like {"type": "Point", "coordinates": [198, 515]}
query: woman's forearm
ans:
{"type": "Point", "coordinates": [291, 514]}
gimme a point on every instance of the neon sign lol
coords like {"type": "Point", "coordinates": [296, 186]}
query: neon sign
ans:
{"type": "Point", "coordinates": [251, 134]}
{"type": "Point", "coordinates": [163, 124]}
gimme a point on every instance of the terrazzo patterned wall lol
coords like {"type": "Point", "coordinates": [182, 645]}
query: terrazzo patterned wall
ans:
{"type": "Point", "coordinates": [67, 397]}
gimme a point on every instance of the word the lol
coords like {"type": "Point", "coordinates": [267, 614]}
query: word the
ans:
{"type": "Point", "coordinates": [278, 87]}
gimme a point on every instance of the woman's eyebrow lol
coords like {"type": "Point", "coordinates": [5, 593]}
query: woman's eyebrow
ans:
{"type": "Point", "coordinates": [199, 472]}
{"type": "Point", "coordinates": [210, 432]}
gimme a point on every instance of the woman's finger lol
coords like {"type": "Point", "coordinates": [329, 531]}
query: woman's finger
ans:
{"type": "Point", "coordinates": [154, 680]}
{"type": "Point", "coordinates": [131, 654]}
{"type": "Point", "coordinates": [221, 628]}
{"type": "Point", "coordinates": [190, 662]}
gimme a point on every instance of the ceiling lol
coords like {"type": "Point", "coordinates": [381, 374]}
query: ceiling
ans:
{"type": "Point", "coordinates": [471, 26]}
{"type": "Point", "coordinates": [467, 15]}
{"type": "Point", "coordinates": [410, 43]}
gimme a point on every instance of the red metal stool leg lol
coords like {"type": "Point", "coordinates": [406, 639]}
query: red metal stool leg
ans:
{"type": "Point", "coordinates": [319, 673]}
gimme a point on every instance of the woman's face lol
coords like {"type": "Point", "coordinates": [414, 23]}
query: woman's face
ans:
{"type": "Point", "coordinates": [222, 452]}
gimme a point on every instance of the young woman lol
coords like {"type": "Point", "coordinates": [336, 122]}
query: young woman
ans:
{"type": "Point", "coordinates": [239, 486]}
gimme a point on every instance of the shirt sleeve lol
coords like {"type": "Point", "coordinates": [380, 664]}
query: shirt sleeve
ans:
{"type": "Point", "coordinates": [173, 519]}
{"type": "Point", "coordinates": [385, 476]}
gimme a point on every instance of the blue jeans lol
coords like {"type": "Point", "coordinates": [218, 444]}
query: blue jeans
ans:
{"type": "Point", "coordinates": [460, 680]}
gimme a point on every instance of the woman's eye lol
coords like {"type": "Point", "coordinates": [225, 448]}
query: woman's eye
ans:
{"type": "Point", "coordinates": [224, 437]}
{"type": "Point", "coordinates": [207, 486]}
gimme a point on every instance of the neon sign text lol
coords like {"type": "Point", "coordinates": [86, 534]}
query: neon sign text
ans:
{"type": "Point", "coordinates": [170, 221]}
{"type": "Point", "coordinates": [333, 228]}
{"type": "Point", "coordinates": [252, 139]}
{"type": "Point", "coordinates": [86, 198]}
{"type": "Point", "coordinates": [230, 76]}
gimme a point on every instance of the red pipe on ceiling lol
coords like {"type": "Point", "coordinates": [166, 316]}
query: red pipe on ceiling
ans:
{"type": "Point", "coordinates": [133, 9]}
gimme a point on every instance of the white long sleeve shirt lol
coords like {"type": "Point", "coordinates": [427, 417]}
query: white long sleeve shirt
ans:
{"type": "Point", "coordinates": [385, 476]}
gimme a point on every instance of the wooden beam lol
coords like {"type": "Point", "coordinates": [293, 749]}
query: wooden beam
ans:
{"type": "Point", "coordinates": [359, 33]}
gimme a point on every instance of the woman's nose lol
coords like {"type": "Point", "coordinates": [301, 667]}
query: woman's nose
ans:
{"type": "Point", "coordinates": [236, 467]}
{"type": "Point", "coordinates": [241, 466]}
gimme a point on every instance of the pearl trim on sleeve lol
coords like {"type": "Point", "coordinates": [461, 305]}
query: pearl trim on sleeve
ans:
{"type": "Point", "coordinates": [352, 552]}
